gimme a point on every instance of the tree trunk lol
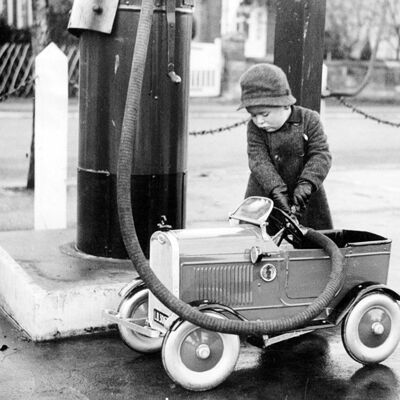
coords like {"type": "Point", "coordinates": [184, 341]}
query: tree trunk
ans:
{"type": "Point", "coordinates": [40, 29]}
{"type": "Point", "coordinates": [39, 40]}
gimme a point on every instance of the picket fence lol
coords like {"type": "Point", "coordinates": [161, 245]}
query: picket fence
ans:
{"type": "Point", "coordinates": [17, 65]}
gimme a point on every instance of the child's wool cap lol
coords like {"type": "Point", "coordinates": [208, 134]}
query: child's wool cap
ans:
{"type": "Point", "coordinates": [265, 85]}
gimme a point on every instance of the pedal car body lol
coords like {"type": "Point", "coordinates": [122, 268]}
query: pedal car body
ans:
{"type": "Point", "coordinates": [259, 268]}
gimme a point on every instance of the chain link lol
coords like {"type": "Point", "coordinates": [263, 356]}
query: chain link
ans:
{"type": "Point", "coordinates": [366, 115]}
{"type": "Point", "coordinates": [75, 84]}
{"type": "Point", "coordinates": [218, 130]}
{"type": "Point", "coordinates": [341, 100]}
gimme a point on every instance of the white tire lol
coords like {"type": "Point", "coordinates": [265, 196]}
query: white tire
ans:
{"type": "Point", "coordinates": [199, 359]}
{"type": "Point", "coordinates": [136, 306]}
{"type": "Point", "coordinates": [371, 330]}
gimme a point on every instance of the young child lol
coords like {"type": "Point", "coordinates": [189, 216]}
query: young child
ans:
{"type": "Point", "coordinates": [287, 149]}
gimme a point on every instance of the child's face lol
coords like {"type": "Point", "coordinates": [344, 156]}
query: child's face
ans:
{"type": "Point", "coordinates": [269, 118]}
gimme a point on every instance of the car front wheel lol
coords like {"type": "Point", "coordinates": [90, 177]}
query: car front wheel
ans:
{"type": "Point", "coordinates": [199, 359]}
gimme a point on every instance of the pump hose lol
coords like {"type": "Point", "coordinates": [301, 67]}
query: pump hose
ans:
{"type": "Point", "coordinates": [128, 231]}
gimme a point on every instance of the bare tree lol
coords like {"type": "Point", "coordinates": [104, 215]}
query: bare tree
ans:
{"type": "Point", "coordinates": [40, 29]}
{"type": "Point", "coordinates": [394, 25]}
{"type": "Point", "coordinates": [350, 22]}
{"type": "Point", "coordinates": [383, 23]}
{"type": "Point", "coordinates": [373, 57]}
{"type": "Point", "coordinates": [354, 25]}
{"type": "Point", "coordinates": [39, 40]}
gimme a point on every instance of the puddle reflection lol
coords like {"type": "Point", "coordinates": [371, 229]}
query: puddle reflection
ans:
{"type": "Point", "coordinates": [374, 382]}
{"type": "Point", "coordinates": [304, 368]}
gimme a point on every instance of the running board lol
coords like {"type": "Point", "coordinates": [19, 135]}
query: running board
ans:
{"type": "Point", "coordinates": [130, 323]}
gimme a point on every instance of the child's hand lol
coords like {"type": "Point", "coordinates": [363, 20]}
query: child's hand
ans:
{"type": "Point", "coordinates": [301, 195]}
{"type": "Point", "coordinates": [280, 197]}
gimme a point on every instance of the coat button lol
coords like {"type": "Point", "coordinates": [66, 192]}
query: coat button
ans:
{"type": "Point", "coordinates": [276, 157]}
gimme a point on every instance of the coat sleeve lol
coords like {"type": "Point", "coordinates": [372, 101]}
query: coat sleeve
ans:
{"type": "Point", "coordinates": [318, 159]}
{"type": "Point", "coordinates": [260, 163]}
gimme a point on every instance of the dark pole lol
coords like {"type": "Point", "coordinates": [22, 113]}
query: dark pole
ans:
{"type": "Point", "coordinates": [299, 47]}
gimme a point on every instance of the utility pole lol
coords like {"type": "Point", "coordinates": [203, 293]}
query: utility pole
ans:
{"type": "Point", "coordinates": [299, 47]}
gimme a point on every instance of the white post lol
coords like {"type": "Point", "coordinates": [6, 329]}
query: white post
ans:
{"type": "Point", "coordinates": [51, 119]}
{"type": "Point", "coordinates": [324, 90]}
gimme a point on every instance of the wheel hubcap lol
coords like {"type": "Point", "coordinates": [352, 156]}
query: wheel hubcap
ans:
{"type": "Point", "coordinates": [374, 327]}
{"type": "Point", "coordinates": [378, 328]}
{"type": "Point", "coordinates": [203, 351]}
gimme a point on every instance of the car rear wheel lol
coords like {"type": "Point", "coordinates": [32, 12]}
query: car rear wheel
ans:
{"type": "Point", "coordinates": [135, 306]}
{"type": "Point", "coordinates": [371, 330]}
{"type": "Point", "coordinates": [199, 359]}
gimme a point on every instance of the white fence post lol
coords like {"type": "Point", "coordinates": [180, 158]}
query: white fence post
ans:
{"type": "Point", "coordinates": [51, 119]}
{"type": "Point", "coordinates": [324, 90]}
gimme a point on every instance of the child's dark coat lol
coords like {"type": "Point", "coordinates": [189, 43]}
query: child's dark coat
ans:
{"type": "Point", "coordinates": [297, 151]}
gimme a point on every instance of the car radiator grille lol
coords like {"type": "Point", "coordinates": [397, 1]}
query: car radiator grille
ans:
{"type": "Point", "coordinates": [224, 283]}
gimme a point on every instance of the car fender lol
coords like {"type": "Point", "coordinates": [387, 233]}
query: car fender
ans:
{"type": "Point", "coordinates": [355, 294]}
{"type": "Point", "coordinates": [206, 306]}
{"type": "Point", "coordinates": [131, 287]}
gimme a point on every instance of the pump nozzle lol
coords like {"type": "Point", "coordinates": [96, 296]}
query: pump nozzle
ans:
{"type": "Point", "coordinates": [175, 78]}
{"type": "Point", "coordinates": [171, 26]}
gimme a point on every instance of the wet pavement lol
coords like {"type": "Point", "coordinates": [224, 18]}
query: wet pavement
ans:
{"type": "Point", "coordinates": [312, 367]}
{"type": "Point", "coordinates": [364, 192]}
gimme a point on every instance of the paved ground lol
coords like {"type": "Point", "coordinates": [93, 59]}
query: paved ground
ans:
{"type": "Point", "coordinates": [364, 192]}
{"type": "Point", "coordinates": [314, 367]}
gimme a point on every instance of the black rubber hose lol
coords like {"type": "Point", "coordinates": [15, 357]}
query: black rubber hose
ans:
{"type": "Point", "coordinates": [128, 231]}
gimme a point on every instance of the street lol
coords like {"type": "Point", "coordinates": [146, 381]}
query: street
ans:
{"type": "Point", "coordinates": [312, 367]}
{"type": "Point", "coordinates": [364, 193]}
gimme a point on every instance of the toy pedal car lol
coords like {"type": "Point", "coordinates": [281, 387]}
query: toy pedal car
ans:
{"type": "Point", "coordinates": [259, 268]}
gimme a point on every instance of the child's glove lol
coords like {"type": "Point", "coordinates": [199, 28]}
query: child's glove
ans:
{"type": "Point", "coordinates": [301, 194]}
{"type": "Point", "coordinates": [280, 197]}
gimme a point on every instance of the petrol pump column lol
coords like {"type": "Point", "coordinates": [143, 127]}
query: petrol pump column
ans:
{"type": "Point", "coordinates": [107, 31]}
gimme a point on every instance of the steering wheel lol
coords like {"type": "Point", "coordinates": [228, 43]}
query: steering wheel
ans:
{"type": "Point", "coordinates": [285, 227]}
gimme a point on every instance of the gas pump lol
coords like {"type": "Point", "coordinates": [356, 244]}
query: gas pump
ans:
{"type": "Point", "coordinates": [107, 31]}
